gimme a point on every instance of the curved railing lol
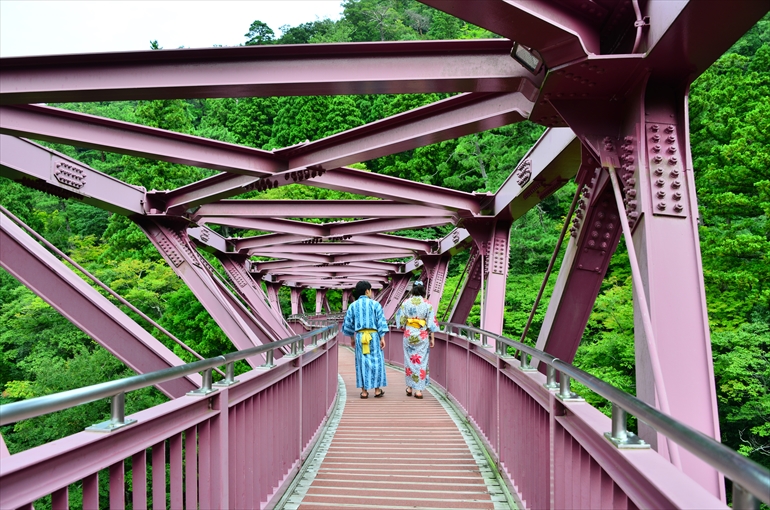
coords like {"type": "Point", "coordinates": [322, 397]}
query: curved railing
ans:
{"type": "Point", "coordinates": [558, 452]}
{"type": "Point", "coordinates": [211, 441]}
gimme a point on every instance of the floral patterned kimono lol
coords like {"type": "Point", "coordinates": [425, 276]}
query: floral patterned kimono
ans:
{"type": "Point", "coordinates": [418, 319]}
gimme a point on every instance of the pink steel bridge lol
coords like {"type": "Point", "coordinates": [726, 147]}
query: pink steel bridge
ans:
{"type": "Point", "coordinates": [609, 78]}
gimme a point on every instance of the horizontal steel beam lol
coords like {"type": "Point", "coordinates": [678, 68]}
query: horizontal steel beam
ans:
{"type": "Point", "coordinates": [401, 190]}
{"type": "Point", "coordinates": [246, 166]}
{"type": "Point", "coordinates": [328, 248]}
{"type": "Point", "coordinates": [299, 228]}
{"type": "Point", "coordinates": [370, 255]}
{"type": "Point", "coordinates": [395, 242]}
{"type": "Point", "coordinates": [280, 70]}
{"type": "Point", "coordinates": [323, 272]}
{"type": "Point", "coordinates": [374, 226]}
{"type": "Point", "coordinates": [294, 281]}
{"type": "Point", "coordinates": [40, 168]}
{"type": "Point", "coordinates": [281, 264]}
{"type": "Point", "coordinates": [82, 130]}
{"type": "Point", "coordinates": [262, 241]}
{"type": "Point", "coordinates": [443, 120]}
{"type": "Point", "coordinates": [338, 229]}
{"type": "Point", "coordinates": [318, 209]}
{"type": "Point", "coordinates": [251, 243]}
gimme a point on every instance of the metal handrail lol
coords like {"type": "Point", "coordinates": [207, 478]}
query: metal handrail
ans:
{"type": "Point", "coordinates": [742, 471]}
{"type": "Point", "coordinates": [16, 411]}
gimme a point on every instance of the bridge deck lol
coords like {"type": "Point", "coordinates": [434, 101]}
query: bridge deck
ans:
{"type": "Point", "coordinates": [396, 452]}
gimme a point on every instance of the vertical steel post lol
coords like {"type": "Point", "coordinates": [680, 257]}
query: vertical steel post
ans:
{"type": "Point", "coordinates": [619, 417]}
{"type": "Point", "coordinates": [743, 499]}
{"type": "Point", "coordinates": [118, 408]}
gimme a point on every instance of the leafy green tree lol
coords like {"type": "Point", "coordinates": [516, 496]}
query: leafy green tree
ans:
{"type": "Point", "coordinates": [259, 33]}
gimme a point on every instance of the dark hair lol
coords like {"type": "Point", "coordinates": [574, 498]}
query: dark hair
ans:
{"type": "Point", "coordinates": [361, 288]}
{"type": "Point", "coordinates": [418, 289]}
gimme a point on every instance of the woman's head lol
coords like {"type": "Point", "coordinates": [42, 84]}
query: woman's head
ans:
{"type": "Point", "coordinates": [418, 289]}
{"type": "Point", "coordinates": [361, 288]}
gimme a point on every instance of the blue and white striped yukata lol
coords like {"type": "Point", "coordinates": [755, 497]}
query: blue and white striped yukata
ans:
{"type": "Point", "coordinates": [364, 314]}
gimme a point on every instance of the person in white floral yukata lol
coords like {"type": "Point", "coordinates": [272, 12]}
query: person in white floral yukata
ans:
{"type": "Point", "coordinates": [418, 319]}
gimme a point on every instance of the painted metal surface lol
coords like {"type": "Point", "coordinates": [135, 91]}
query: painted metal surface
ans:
{"type": "Point", "coordinates": [210, 440]}
{"type": "Point", "coordinates": [411, 454]}
{"type": "Point", "coordinates": [617, 79]}
{"type": "Point", "coordinates": [553, 454]}
{"type": "Point", "coordinates": [319, 69]}
{"type": "Point", "coordinates": [90, 311]}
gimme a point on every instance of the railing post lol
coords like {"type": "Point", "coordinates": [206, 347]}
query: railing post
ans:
{"type": "Point", "coordinates": [484, 340]}
{"type": "Point", "coordinates": [550, 378]}
{"type": "Point", "coordinates": [565, 393]}
{"type": "Point", "coordinates": [620, 436]}
{"type": "Point", "coordinates": [205, 388]}
{"type": "Point", "coordinates": [269, 356]}
{"type": "Point", "coordinates": [117, 416]}
{"type": "Point", "coordinates": [524, 367]}
{"type": "Point", "coordinates": [743, 499]}
{"type": "Point", "coordinates": [229, 379]}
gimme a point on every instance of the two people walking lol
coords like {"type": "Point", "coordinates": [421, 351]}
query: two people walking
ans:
{"type": "Point", "coordinates": [365, 323]}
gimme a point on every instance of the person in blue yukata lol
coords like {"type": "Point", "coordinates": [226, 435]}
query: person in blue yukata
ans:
{"type": "Point", "coordinates": [366, 326]}
{"type": "Point", "coordinates": [418, 319]}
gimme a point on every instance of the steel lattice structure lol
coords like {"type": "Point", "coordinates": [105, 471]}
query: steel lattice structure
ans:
{"type": "Point", "coordinates": [609, 78]}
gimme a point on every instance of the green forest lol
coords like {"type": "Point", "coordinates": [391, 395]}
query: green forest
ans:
{"type": "Point", "coordinates": [42, 353]}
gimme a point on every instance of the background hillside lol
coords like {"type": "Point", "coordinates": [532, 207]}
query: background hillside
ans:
{"type": "Point", "coordinates": [40, 352]}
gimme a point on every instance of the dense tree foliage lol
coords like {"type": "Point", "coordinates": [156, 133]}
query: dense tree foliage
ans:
{"type": "Point", "coordinates": [40, 352]}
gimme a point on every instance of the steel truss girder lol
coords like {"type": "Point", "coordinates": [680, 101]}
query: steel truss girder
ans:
{"type": "Point", "coordinates": [647, 143]}
{"type": "Point", "coordinates": [86, 308]}
{"type": "Point", "coordinates": [346, 294]}
{"type": "Point", "coordinates": [443, 120]}
{"type": "Point", "coordinates": [551, 162]}
{"type": "Point", "coordinates": [82, 130]}
{"type": "Point", "coordinates": [318, 69]}
{"type": "Point", "coordinates": [582, 270]}
{"type": "Point", "coordinates": [559, 35]}
{"type": "Point", "coordinates": [272, 296]}
{"type": "Point", "coordinates": [338, 229]}
{"type": "Point", "coordinates": [434, 276]}
{"type": "Point", "coordinates": [236, 322]}
{"type": "Point", "coordinates": [318, 209]}
{"type": "Point", "coordinates": [340, 249]}
{"type": "Point", "coordinates": [287, 241]}
{"type": "Point", "coordinates": [397, 291]}
{"type": "Point", "coordinates": [337, 283]}
{"type": "Point", "coordinates": [493, 240]}
{"type": "Point", "coordinates": [251, 292]}
{"type": "Point", "coordinates": [296, 301]}
{"type": "Point", "coordinates": [322, 272]}
{"type": "Point", "coordinates": [44, 169]}
{"type": "Point", "coordinates": [258, 267]}
{"type": "Point", "coordinates": [470, 289]}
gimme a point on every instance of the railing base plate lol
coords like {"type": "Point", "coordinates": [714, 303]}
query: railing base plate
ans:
{"type": "Point", "coordinates": [632, 442]}
{"type": "Point", "coordinates": [109, 426]}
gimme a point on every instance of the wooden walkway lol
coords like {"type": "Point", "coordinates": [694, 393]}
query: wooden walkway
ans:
{"type": "Point", "coordinates": [395, 452]}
